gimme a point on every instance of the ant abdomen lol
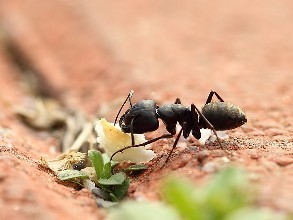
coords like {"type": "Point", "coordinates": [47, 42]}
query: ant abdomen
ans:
{"type": "Point", "coordinates": [224, 115]}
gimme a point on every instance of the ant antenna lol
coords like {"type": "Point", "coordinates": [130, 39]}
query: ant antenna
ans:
{"type": "Point", "coordinates": [130, 94]}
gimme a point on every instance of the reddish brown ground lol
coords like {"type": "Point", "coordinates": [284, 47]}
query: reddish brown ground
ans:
{"type": "Point", "coordinates": [91, 53]}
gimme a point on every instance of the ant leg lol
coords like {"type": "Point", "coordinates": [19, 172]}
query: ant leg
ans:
{"type": "Point", "coordinates": [173, 147]}
{"type": "Point", "coordinates": [210, 126]}
{"type": "Point", "coordinates": [177, 101]}
{"type": "Point", "coordinates": [196, 128]}
{"type": "Point", "coordinates": [132, 135]}
{"type": "Point", "coordinates": [210, 97]}
{"type": "Point", "coordinates": [130, 94]}
{"type": "Point", "coordinates": [142, 144]}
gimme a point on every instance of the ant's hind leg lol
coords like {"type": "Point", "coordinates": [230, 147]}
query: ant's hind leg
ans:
{"type": "Point", "coordinates": [129, 96]}
{"type": "Point", "coordinates": [210, 97]}
{"type": "Point", "coordinates": [210, 126]}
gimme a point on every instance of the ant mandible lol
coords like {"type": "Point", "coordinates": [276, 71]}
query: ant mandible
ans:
{"type": "Point", "coordinates": [143, 117]}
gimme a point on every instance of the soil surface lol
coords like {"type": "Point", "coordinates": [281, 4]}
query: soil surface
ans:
{"type": "Point", "coordinates": [89, 54]}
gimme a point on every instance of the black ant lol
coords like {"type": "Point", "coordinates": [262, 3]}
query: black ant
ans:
{"type": "Point", "coordinates": [143, 117]}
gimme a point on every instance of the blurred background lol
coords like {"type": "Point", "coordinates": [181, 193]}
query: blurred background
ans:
{"type": "Point", "coordinates": [89, 54]}
{"type": "Point", "coordinates": [99, 50]}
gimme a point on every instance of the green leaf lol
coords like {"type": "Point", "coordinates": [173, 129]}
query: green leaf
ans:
{"type": "Point", "coordinates": [136, 167]}
{"type": "Point", "coordinates": [71, 174]}
{"type": "Point", "coordinates": [114, 163]}
{"type": "Point", "coordinates": [106, 174]}
{"type": "Point", "coordinates": [116, 179]}
{"type": "Point", "coordinates": [134, 210]}
{"type": "Point", "coordinates": [121, 190]}
{"type": "Point", "coordinates": [97, 160]}
{"type": "Point", "coordinates": [253, 213]}
{"type": "Point", "coordinates": [227, 192]}
{"type": "Point", "coordinates": [114, 197]}
{"type": "Point", "coordinates": [106, 158]}
{"type": "Point", "coordinates": [181, 194]}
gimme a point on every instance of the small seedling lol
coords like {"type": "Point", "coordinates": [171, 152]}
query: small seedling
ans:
{"type": "Point", "coordinates": [97, 162]}
{"type": "Point", "coordinates": [115, 184]}
{"type": "Point", "coordinates": [112, 187]}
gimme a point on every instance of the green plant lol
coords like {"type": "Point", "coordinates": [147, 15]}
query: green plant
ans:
{"type": "Point", "coordinates": [115, 184]}
{"type": "Point", "coordinates": [133, 210]}
{"type": "Point", "coordinates": [228, 196]}
{"type": "Point", "coordinates": [226, 193]}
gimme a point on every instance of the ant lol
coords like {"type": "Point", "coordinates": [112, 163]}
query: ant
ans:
{"type": "Point", "coordinates": [143, 117]}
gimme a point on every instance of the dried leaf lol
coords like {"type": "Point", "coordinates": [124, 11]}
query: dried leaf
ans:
{"type": "Point", "coordinates": [71, 174]}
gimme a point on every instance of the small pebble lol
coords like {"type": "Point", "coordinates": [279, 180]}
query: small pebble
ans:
{"type": "Point", "coordinates": [284, 161]}
{"type": "Point", "coordinates": [202, 156]}
{"type": "Point", "coordinates": [274, 131]}
{"type": "Point", "coordinates": [105, 204]}
{"type": "Point", "coordinates": [184, 159]}
{"type": "Point", "coordinates": [101, 193]}
{"type": "Point", "coordinates": [225, 159]}
{"type": "Point", "coordinates": [253, 154]}
{"type": "Point", "coordinates": [210, 167]}
{"type": "Point", "coordinates": [253, 177]}
{"type": "Point", "coordinates": [269, 165]}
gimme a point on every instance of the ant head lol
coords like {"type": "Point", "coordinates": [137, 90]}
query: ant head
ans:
{"type": "Point", "coordinates": [140, 118]}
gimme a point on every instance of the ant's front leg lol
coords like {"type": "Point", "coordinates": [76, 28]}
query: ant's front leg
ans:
{"type": "Point", "coordinates": [173, 147]}
{"type": "Point", "coordinates": [142, 144]}
{"type": "Point", "coordinates": [210, 97]}
{"type": "Point", "coordinates": [132, 135]}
